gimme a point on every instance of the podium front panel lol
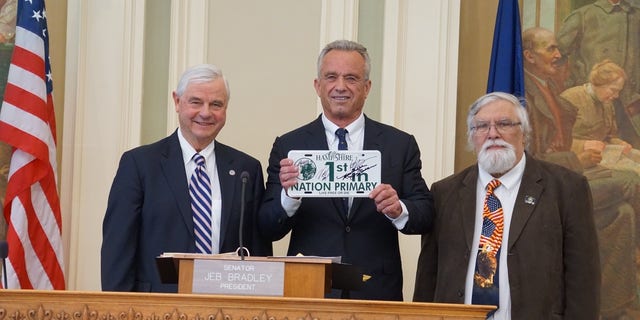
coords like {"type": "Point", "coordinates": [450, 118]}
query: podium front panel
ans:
{"type": "Point", "coordinates": [306, 280]}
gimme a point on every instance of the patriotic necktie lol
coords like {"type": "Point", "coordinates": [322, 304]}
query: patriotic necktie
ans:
{"type": "Point", "coordinates": [485, 279]}
{"type": "Point", "coordinates": [342, 145]}
{"type": "Point", "coordinates": [200, 192]}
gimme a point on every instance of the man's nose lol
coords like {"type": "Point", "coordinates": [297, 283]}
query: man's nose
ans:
{"type": "Point", "coordinates": [341, 83]}
{"type": "Point", "coordinates": [493, 131]}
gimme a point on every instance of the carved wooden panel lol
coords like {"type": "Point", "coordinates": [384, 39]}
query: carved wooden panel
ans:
{"type": "Point", "coordinates": [78, 305]}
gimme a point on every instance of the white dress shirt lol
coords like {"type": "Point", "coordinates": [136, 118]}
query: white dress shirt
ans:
{"type": "Point", "coordinates": [216, 197]}
{"type": "Point", "coordinates": [507, 193]}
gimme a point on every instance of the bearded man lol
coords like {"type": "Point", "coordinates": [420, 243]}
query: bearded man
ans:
{"type": "Point", "coordinates": [530, 219]}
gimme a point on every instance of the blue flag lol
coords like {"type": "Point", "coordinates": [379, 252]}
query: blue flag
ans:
{"type": "Point", "coordinates": [506, 72]}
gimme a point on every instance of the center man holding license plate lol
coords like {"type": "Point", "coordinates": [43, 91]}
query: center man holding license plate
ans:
{"type": "Point", "coordinates": [344, 184]}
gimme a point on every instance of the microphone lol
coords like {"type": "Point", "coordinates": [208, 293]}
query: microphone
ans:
{"type": "Point", "coordinates": [4, 253]}
{"type": "Point", "coordinates": [245, 178]}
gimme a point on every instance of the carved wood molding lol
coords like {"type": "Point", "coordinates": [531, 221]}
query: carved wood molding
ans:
{"type": "Point", "coordinates": [77, 305]}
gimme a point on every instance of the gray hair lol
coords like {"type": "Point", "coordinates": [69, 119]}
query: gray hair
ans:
{"type": "Point", "coordinates": [346, 45]}
{"type": "Point", "coordinates": [198, 74]}
{"type": "Point", "coordinates": [519, 107]}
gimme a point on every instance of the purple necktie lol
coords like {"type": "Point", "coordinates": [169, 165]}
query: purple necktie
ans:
{"type": "Point", "coordinates": [200, 192]}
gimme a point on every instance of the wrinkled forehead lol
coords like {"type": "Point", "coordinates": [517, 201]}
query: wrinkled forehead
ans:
{"type": "Point", "coordinates": [545, 40]}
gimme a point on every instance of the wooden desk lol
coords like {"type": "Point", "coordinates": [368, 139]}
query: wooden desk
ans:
{"type": "Point", "coordinates": [83, 305]}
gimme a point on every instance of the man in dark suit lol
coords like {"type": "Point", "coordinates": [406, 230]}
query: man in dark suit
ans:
{"type": "Point", "coordinates": [365, 231]}
{"type": "Point", "coordinates": [149, 209]}
{"type": "Point", "coordinates": [547, 264]}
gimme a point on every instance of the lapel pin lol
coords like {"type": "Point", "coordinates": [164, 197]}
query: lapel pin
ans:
{"type": "Point", "coordinates": [529, 200]}
{"type": "Point", "coordinates": [232, 172]}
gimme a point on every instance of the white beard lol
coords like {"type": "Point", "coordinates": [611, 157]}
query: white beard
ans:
{"type": "Point", "coordinates": [497, 161]}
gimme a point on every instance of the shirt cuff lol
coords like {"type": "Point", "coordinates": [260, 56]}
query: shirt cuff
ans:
{"type": "Point", "coordinates": [402, 219]}
{"type": "Point", "coordinates": [290, 205]}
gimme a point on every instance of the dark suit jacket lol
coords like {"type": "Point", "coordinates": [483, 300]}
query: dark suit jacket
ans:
{"type": "Point", "coordinates": [149, 213]}
{"type": "Point", "coordinates": [367, 239]}
{"type": "Point", "coordinates": [554, 267]}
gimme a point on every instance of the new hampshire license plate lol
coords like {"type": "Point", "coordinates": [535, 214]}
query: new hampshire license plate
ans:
{"type": "Point", "coordinates": [325, 173]}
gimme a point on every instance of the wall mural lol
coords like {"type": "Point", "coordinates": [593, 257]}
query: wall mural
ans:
{"type": "Point", "coordinates": [582, 83]}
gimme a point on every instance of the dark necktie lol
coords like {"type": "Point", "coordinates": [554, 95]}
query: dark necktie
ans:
{"type": "Point", "coordinates": [200, 192]}
{"type": "Point", "coordinates": [485, 278]}
{"type": "Point", "coordinates": [342, 145]}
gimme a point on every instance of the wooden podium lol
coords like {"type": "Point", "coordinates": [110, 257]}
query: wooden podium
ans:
{"type": "Point", "coordinates": [304, 277]}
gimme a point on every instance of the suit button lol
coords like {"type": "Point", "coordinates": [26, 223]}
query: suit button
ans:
{"type": "Point", "coordinates": [460, 293]}
{"type": "Point", "coordinates": [347, 229]}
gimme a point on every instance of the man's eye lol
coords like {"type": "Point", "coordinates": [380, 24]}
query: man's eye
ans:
{"type": "Point", "coordinates": [503, 124]}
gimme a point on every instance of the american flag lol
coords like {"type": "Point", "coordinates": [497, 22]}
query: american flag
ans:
{"type": "Point", "coordinates": [27, 123]}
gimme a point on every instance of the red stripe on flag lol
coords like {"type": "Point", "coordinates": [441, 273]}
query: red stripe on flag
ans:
{"type": "Point", "coordinates": [49, 187]}
{"type": "Point", "coordinates": [47, 184]}
{"type": "Point", "coordinates": [16, 255]}
{"type": "Point", "coordinates": [27, 143]}
{"type": "Point", "coordinates": [29, 61]}
{"type": "Point", "coordinates": [51, 119]}
{"type": "Point", "coordinates": [26, 101]}
{"type": "Point", "coordinates": [40, 242]}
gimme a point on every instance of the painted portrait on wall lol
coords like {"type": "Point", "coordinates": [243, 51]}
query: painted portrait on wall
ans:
{"type": "Point", "coordinates": [582, 83]}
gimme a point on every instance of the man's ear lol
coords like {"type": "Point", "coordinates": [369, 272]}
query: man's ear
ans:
{"type": "Point", "coordinates": [527, 55]}
{"type": "Point", "coordinates": [176, 100]}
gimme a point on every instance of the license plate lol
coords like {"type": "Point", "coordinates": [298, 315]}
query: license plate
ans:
{"type": "Point", "coordinates": [344, 173]}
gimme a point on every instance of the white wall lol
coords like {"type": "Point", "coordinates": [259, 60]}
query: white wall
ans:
{"type": "Point", "coordinates": [268, 51]}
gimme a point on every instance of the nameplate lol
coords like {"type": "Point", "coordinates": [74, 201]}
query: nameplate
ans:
{"type": "Point", "coordinates": [259, 278]}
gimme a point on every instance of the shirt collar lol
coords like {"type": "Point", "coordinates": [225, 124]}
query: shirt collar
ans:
{"type": "Point", "coordinates": [188, 151]}
{"type": "Point", "coordinates": [355, 128]}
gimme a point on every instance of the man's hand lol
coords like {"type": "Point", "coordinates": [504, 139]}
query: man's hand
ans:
{"type": "Point", "coordinates": [589, 158]}
{"type": "Point", "coordinates": [594, 145]}
{"type": "Point", "coordinates": [626, 147]}
{"type": "Point", "coordinates": [288, 174]}
{"type": "Point", "coordinates": [386, 200]}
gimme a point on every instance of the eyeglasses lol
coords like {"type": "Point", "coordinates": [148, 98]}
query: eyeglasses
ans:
{"type": "Point", "coordinates": [504, 126]}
